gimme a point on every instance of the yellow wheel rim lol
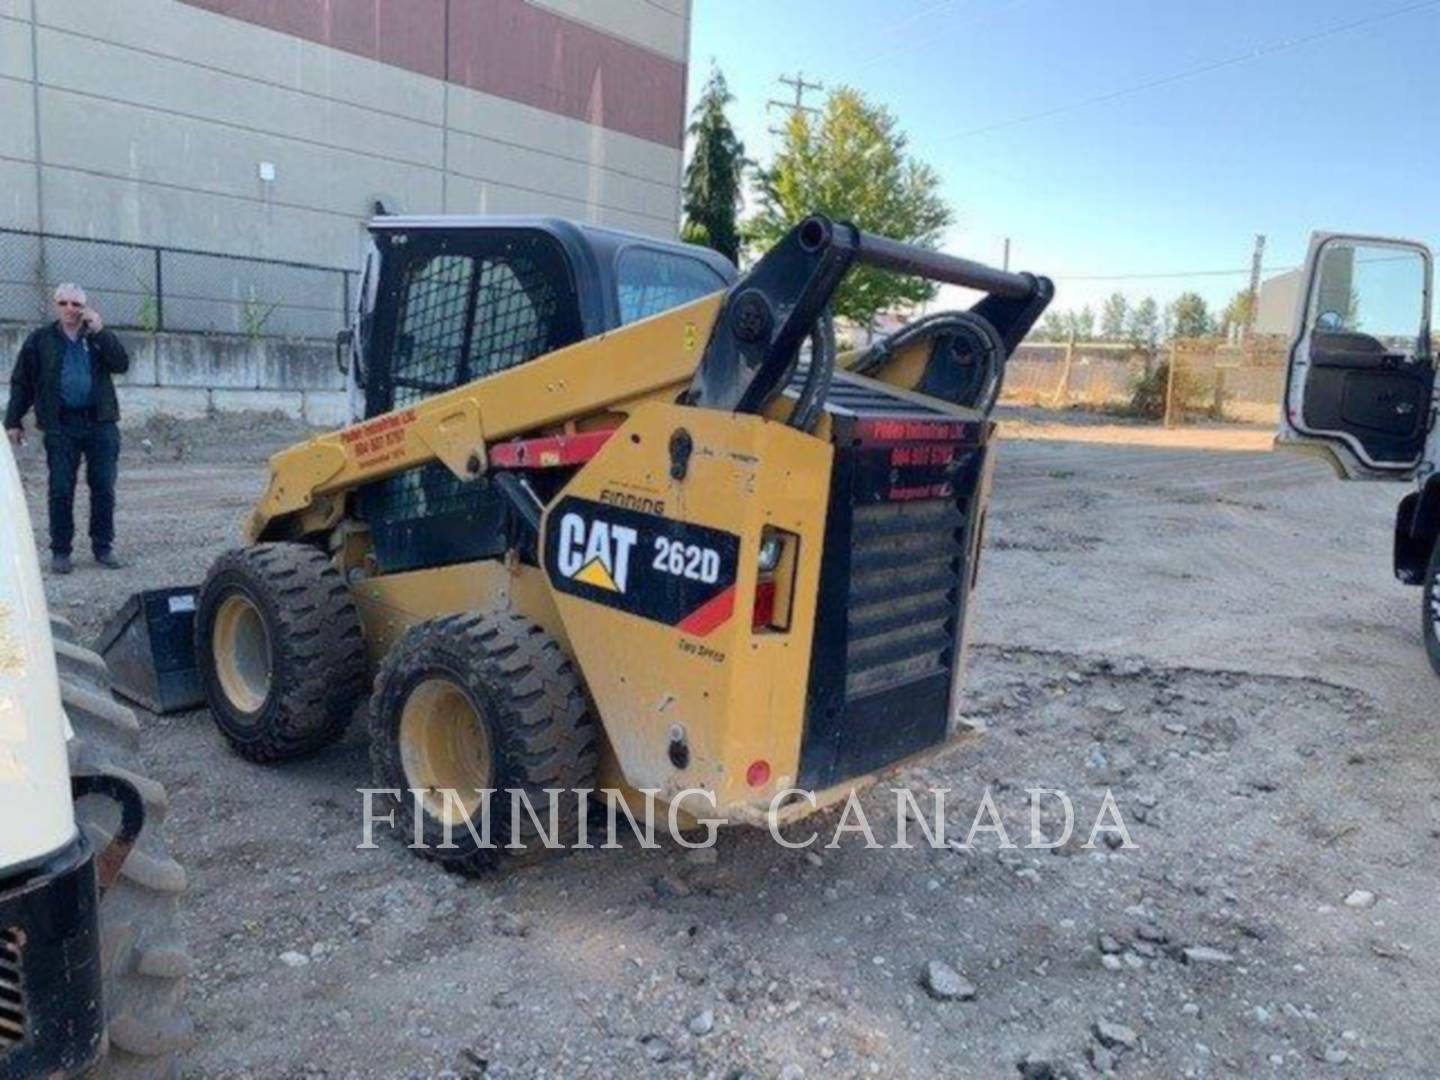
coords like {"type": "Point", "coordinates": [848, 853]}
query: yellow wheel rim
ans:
{"type": "Point", "coordinates": [241, 647]}
{"type": "Point", "coordinates": [445, 746]}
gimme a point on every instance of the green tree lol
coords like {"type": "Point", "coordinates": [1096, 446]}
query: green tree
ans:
{"type": "Point", "coordinates": [850, 164]}
{"type": "Point", "coordinates": [1112, 317]}
{"type": "Point", "coordinates": [1237, 311]}
{"type": "Point", "coordinates": [1143, 326]}
{"type": "Point", "coordinates": [716, 171]}
{"type": "Point", "coordinates": [1190, 318]}
{"type": "Point", "coordinates": [1053, 326]}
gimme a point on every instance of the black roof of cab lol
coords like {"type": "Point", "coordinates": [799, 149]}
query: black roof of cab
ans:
{"type": "Point", "coordinates": [593, 252]}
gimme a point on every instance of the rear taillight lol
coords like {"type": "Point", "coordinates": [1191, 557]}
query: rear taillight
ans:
{"type": "Point", "coordinates": [764, 604]}
{"type": "Point", "coordinates": [775, 580]}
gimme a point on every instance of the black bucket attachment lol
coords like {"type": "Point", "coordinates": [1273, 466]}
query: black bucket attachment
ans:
{"type": "Point", "coordinates": [150, 647]}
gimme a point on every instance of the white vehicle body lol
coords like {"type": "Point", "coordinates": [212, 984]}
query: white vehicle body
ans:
{"type": "Point", "coordinates": [36, 813]}
{"type": "Point", "coordinates": [1361, 390]}
{"type": "Point", "coordinates": [1360, 384]}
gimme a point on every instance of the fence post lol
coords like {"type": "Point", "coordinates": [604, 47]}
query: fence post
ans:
{"type": "Point", "coordinates": [159, 294]}
{"type": "Point", "coordinates": [1170, 385]}
{"type": "Point", "coordinates": [1062, 392]}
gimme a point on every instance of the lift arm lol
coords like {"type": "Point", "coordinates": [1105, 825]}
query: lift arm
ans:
{"type": "Point", "coordinates": [733, 351]}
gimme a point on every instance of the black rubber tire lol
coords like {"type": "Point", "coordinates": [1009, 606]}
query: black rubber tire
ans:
{"type": "Point", "coordinates": [1430, 609]}
{"type": "Point", "coordinates": [543, 730]}
{"type": "Point", "coordinates": [317, 658]}
{"type": "Point", "coordinates": [143, 954]}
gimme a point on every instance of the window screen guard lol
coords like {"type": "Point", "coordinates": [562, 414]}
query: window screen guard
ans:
{"type": "Point", "coordinates": [461, 311]}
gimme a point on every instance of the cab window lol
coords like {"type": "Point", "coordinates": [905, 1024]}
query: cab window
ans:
{"type": "Point", "coordinates": [1371, 295]}
{"type": "Point", "coordinates": [648, 281]}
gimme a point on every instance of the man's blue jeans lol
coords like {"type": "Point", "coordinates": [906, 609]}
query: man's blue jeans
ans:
{"type": "Point", "coordinates": [78, 435]}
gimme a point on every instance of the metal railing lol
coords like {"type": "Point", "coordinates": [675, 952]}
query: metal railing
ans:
{"type": "Point", "coordinates": [151, 288]}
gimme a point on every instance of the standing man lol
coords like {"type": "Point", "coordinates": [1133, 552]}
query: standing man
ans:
{"type": "Point", "coordinates": [64, 371]}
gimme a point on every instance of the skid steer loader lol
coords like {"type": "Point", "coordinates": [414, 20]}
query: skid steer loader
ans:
{"type": "Point", "coordinates": [92, 965]}
{"type": "Point", "coordinates": [687, 555]}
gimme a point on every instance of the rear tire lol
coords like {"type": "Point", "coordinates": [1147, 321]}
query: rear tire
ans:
{"type": "Point", "coordinates": [1430, 609]}
{"type": "Point", "coordinates": [142, 952]}
{"type": "Point", "coordinates": [280, 651]}
{"type": "Point", "coordinates": [481, 701]}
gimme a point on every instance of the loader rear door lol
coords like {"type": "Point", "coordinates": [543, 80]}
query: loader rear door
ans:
{"type": "Point", "coordinates": [1361, 366]}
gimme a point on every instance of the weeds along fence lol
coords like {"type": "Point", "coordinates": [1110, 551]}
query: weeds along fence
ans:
{"type": "Point", "coordinates": [143, 287]}
{"type": "Point", "coordinates": [1186, 381]}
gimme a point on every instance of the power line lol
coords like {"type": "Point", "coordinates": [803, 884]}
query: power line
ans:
{"type": "Point", "coordinates": [1239, 270]}
{"type": "Point", "coordinates": [800, 86]}
{"type": "Point", "coordinates": [1267, 49]}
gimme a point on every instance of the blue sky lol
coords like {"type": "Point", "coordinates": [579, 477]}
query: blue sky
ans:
{"type": "Point", "coordinates": [1340, 132]}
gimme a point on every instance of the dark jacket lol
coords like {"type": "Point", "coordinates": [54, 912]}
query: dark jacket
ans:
{"type": "Point", "coordinates": [36, 378]}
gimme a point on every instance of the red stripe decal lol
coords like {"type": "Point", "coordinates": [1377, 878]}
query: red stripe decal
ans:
{"type": "Point", "coordinates": [549, 452]}
{"type": "Point", "coordinates": [710, 614]}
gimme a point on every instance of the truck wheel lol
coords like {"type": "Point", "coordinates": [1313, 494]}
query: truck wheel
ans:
{"type": "Point", "coordinates": [142, 952]}
{"type": "Point", "coordinates": [278, 644]}
{"type": "Point", "coordinates": [472, 702]}
{"type": "Point", "coordinates": [1430, 609]}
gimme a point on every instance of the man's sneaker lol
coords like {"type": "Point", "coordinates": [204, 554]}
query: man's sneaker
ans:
{"type": "Point", "coordinates": [60, 564]}
{"type": "Point", "coordinates": [108, 560]}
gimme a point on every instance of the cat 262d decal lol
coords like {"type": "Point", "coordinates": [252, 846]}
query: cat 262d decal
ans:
{"type": "Point", "coordinates": [668, 571]}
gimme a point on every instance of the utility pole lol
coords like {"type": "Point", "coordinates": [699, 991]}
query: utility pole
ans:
{"type": "Point", "coordinates": [798, 84]}
{"type": "Point", "coordinates": [1005, 260]}
{"type": "Point", "coordinates": [1256, 261]}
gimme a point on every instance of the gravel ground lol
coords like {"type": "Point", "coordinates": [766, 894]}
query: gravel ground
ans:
{"type": "Point", "coordinates": [1213, 634]}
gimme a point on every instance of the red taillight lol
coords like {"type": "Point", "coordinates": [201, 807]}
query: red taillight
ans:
{"type": "Point", "coordinates": [758, 774]}
{"type": "Point", "coordinates": [764, 613]}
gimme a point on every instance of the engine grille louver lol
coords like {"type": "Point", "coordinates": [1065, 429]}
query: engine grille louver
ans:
{"type": "Point", "coordinates": [12, 991]}
{"type": "Point", "coordinates": [904, 589]}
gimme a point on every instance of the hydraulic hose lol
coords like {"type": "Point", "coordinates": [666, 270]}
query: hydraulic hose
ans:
{"type": "Point", "coordinates": [817, 378]}
{"type": "Point", "coordinates": [974, 333]}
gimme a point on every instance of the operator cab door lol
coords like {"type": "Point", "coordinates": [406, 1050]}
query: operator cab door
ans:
{"type": "Point", "coordinates": [1361, 369]}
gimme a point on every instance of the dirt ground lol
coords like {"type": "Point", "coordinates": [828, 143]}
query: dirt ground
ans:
{"type": "Point", "coordinates": [1212, 633]}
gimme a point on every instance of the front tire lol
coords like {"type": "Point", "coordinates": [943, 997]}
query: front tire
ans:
{"type": "Point", "coordinates": [280, 652]}
{"type": "Point", "coordinates": [472, 702]}
{"type": "Point", "coordinates": [143, 957]}
{"type": "Point", "coordinates": [1430, 609]}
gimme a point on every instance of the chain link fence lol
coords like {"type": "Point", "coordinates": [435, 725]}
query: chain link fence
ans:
{"type": "Point", "coordinates": [139, 287]}
{"type": "Point", "coordinates": [1061, 374]}
{"type": "Point", "coordinates": [1186, 381]}
{"type": "Point", "coordinates": [1211, 379]}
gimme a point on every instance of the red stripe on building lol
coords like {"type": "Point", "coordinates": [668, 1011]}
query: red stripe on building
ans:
{"type": "Point", "coordinates": [507, 48]}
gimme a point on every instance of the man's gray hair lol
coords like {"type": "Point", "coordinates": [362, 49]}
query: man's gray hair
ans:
{"type": "Point", "coordinates": [71, 290]}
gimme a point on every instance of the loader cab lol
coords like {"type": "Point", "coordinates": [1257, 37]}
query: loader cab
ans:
{"type": "Point", "coordinates": [443, 300]}
{"type": "Point", "coordinates": [1361, 363]}
{"type": "Point", "coordinates": [446, 300]}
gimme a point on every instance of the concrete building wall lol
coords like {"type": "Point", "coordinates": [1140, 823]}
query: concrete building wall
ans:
{"type": "Point", "coordinates": [1275, 310]}
{"type": "Point", "coordinates": [193, 375]}
{"type": "Point", "coordinates": [155, 116]}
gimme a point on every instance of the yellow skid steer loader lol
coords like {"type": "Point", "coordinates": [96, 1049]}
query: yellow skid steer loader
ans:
{"type": "Point", "coordinates": [695, 553]}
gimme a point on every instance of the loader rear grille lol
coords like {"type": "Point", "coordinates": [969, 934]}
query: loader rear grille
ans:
{"type": "Point", "coordinates": [906, 500]}
{"type": "Point", "coordinates": [12, 992]}
{"type": "Point", "coordinates": [904, 580]}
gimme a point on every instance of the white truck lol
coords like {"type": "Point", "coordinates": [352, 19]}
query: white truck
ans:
{"type": "Point", "coordinates": [92, 966]}
{"type": "Point", "coordinates": [1360, 389]}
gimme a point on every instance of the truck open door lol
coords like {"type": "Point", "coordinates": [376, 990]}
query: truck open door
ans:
{"type": "Point", "coordinates": [1361, 370]}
